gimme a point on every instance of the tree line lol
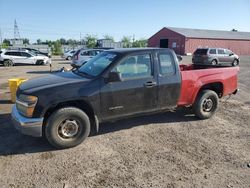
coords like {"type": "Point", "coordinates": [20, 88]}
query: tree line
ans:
{"type": "Point", "coordinates": [89, 40]}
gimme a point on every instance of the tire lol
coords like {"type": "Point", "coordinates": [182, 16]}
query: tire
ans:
{"type": "Point", "coordinates": [68, 58]}
{"type": "Point", "coordinates": [8, 63]}
{"type": "Point", "coordinates": [39, 62]}
{"type": "Point", "coordinates": [67, 127]}
{"type": "Point", "coordinates": [206, 104]}
{"type": "Point", "coordinates": [214, 62]}
{"type": "Point", "coordinates": [235, 63]}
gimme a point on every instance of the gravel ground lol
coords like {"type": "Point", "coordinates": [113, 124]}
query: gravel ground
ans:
{"type": "Point", "coordinates": [171, 149]}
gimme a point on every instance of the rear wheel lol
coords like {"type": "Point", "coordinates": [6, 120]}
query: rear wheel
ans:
{"type": "Point", "coordinates": [206, 104]}
{"type": "Point", "coordinates": [8, 63]}
{"type": "Point", "coordinates": [214, 62]}
{"type": "Point", "coordinates": [235, 62]}
{"type": "Point", "coordinates": [67, 127]}
{"type": "Point", "coordinates": [69, 58]}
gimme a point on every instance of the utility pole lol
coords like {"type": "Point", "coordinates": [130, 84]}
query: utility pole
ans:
{"type": "Point", "coordinates": [16, 31]}
{"type": "Point", "coordinates": [1, 39]}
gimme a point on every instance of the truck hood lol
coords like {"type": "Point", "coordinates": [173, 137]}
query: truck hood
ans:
{"type": "Point", "coordinates": [61, 78]}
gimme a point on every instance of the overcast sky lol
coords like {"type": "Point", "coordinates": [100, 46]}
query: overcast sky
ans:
{"type": "Point", "coordinates": [54, 19]}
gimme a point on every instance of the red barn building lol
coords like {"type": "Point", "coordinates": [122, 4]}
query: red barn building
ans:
{"type": "Point", "coordinates": [185, 41]}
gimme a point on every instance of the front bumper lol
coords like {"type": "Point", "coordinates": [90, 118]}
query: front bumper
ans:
{"type": "Point", "coordinates": [27, 126]}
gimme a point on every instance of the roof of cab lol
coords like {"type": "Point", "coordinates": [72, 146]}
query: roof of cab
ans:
{"type": "Point", "coordinates": [131, 50]}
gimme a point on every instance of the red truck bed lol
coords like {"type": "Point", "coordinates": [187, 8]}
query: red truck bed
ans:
{"type": "Point", "coordinates": [193, 79]}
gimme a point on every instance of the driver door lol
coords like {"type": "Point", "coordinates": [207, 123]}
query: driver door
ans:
{"type": "Point", "coordinates": [135, 93]}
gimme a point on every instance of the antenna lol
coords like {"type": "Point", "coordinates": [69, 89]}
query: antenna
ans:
{"type": "Point", "coordinates": [16, 31]}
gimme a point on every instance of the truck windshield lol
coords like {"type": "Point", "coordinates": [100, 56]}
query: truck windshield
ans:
{"type": "Point", "coordinates": [98, 64]}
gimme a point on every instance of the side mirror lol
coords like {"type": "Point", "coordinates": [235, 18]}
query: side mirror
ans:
{"type": "Point", "coordinates": [231, 54]}
{"type": "Point", "coordinates": [114, 77]}
{"type": "Point", "coordinates": [179, 57]}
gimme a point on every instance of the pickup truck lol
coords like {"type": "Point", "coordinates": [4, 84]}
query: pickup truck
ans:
{"type": "Point", "coordinates": [65, 107]}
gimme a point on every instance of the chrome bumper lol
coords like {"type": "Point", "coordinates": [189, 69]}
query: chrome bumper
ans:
{"type": "Point", "coordinates": [27, 126]}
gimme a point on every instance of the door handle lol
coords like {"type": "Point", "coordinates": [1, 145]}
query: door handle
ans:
{"type": "Point", "coordinates": [150, 84]}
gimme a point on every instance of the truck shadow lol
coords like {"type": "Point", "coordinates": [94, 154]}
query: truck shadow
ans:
{"type": "Point", "coordinates": [180, 115]}
{"type": "Point", "coordinates": [13, 143]}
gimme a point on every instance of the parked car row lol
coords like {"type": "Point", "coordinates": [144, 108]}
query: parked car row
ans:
{"type": "Point", "coordinates": [11, 57]}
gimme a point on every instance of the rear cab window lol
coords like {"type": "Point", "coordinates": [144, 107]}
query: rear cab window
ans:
{"type": "Point", "coordinates": [166, 63]}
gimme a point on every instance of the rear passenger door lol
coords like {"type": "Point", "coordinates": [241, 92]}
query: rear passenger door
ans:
{"type": "Point", "coordinates": [169, 80]}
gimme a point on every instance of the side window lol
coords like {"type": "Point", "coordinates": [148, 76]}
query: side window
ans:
{"type": "Point", "coordinates": [92, 53]}
{"type": "Point", "coordinates": [24, 54]}
{"type": "Point", "coordinates": [212, 51]}
{"type": "Point", "coordinates": [85, 53]}
{"type": "Point", "coordinates": [228, 52]}
{"type": "Point", "coordinates": [134, 67]}
{"type": "Point", "coordinates": [13, 53]}
{"type": "Point", "coordinates": [166, 62]}
{"type": "Point", "coordinates": [221, 51]}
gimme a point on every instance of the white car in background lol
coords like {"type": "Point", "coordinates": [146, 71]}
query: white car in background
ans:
{"type": "Point", "coordinates": [12, 57]}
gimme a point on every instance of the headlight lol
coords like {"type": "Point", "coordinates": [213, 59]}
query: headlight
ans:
{"type": "Point", "coordinates": [26, 104]}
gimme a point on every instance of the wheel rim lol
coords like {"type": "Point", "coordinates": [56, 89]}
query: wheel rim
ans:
{"type": "Point", "coordinates": [69, 128]}
{"type": "Point", "coordinates": [235, 63]}
{"type": "Point", "coordinates": [207, 105]}
{"type": "Point", "coordinates": [213, 62]}
{"type": "Point", "coordinates": [7, 63]}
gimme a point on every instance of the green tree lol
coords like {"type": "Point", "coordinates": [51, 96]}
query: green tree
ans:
{"type": "Point", "coordinates": [26, 41]}
{"type": "Point", "coordinates": [39, 41]}
{"type": "Point", "coordinates": [90, 41]}
{"type": "Point", "coordinates": [72, 43]}
{"type": "Point", "coordinates": [7, 42]}
{"type": "Point", "coordinates": [56, 48]}
{"type": "Point", "coordinates": [140, 43]}
{"type": "Point", "coordinates": [4, 45]}
{"type": "Point", "coordinates": [109, 37]}
{"type": "Point", "coordinates": [126, 40]}
{"type": "Point", "coordinates": [63, 41]}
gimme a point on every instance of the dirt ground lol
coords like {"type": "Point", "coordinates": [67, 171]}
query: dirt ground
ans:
{"type": "Point", "coordinates": [172, 149]}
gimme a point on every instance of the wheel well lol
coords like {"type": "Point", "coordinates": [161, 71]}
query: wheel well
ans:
{"type": "Point", "coordinates": [217, 87]}
{"type": "Point", "coordinates": [84, 106]}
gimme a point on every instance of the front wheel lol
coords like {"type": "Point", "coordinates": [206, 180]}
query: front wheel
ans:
{"type": "Point", "coordinates": [67, 127]}
{"type": "Point", "coordinates": [235, 63]}
{"type": "Point", "coordinates": [206, 104]}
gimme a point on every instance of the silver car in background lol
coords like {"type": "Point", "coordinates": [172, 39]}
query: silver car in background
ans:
{"type": "Point", "coordinates": [215, 56]}
{"type": "Point", "coordinates": [83, 55]}
{"type": "Point", "coordinates": [68, 54]}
